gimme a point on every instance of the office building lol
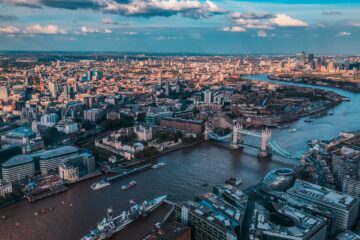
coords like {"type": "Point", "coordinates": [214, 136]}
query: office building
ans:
{"type": "Point", "coordinates": [49, 160]}
{"type": "Point", "coordinates": [4, 92]}
{"type": "Point", "coordinates": [185, 125]}
{"type": "Point", "coordinates": [345, 206]}
{"type": "Point", "coordinates": [210, 217]}
{"type": "Point", "coordinates": [53, 88]}
{"type": "Point", "coordinates": [18, 168]}
{"type": "Point", "coordinates": [93, 114]}
{"type": "Point", "coordinates": [207, 97]}
{"type": "Point", "coordinates": [73, 168]}
{"type": "Point", "coordinates": [285, 223]}
{"type": "Point", "coordinates": [49, 120]}
{"type": "Point", "coordinates": [5, 188]}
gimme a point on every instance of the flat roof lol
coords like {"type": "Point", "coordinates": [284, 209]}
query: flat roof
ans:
{"type": "Point", "coordinates": [18, 160]}
{"type": "Point", "coordinates": [57, 152]}
{"type": "Point", "coordinates": [322, 194]}
{"type": "Point", "coordinates": [21, 131]}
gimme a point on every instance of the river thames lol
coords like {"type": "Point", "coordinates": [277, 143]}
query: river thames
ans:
{"type": "Point", "coordinates": [186, 172]}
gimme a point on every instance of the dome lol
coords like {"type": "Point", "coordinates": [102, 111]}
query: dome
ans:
{"type": "Point", "coordinates": [278, 180]}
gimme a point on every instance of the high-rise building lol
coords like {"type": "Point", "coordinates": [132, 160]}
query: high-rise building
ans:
{"type": "Point", "coordinates": [53, 88]}
{"type": "Point", "coordinates": [4, 92]}
{"type": "Point", "coordinates": [210, 217]}
{"type": "Point", "coordinates": [345, 206]}
{"type": "Point", "coordinates": [207, 97]}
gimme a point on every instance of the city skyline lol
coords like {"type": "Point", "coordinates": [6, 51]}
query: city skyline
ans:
{"type": "Point", "coordinates": [204, 27]}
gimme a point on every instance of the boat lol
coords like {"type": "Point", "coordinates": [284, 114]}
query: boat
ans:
{"type": "Point", "coordinates": [158, 165]}
{"type": "Point", "coordinates": [44, 210]}
{"type": "Point", "coordinates": [234, 181]}
{"type": "Point", "coordinates": [98, 185]}
{"type": "Point", "coordinates": [292, 130]}
{"type": "Point", "coordinates": [129, 185]}
{"type": "Point", "coordinates": [110, 224]}
{"type": "Point", "coordinates": [307, 120]}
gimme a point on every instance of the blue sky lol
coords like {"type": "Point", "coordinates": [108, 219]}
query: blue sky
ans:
{"type": "Point", "coordinates": [198, 26]}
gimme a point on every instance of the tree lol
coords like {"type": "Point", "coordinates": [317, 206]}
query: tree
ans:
{"type": "Point", "coordinates": [141, 117]}
{"type": "Point", "coordinates": [87, 125]}
{"type": "Point", "coordinates": [51, 136]}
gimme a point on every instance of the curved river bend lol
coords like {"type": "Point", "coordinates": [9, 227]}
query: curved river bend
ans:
{"type": "Point", "coordinates": [186, 171]}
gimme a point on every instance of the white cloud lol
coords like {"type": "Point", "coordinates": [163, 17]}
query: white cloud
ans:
{"type": "Point", "coordinates": [130, 33]}
{"type": "Point", "coordinates": [86, 29]}
{"type": "Point", "coordinates": [9, 30]}
{"type": "Point", "coordinates": [284, 20]}
{"type": "Point", "coordinates": [107, 30]}
{"type": "Point", "coordinates": [344, 34]}
{"type": "Point", "coordinates": [264, 21]}
{"type": "Point", "coordinates": [46, 29]}
{"type": "Point", "coordinates": [234, 29]}
{"type": "Point", "coordinates": [261, 34]}
{"type": "Point", "coordinates": [108, 21]}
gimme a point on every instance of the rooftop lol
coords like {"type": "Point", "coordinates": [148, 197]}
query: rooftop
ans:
{"type": "Point", "coordinates": [57, 152]}
{"type": "Point", "coordinates": [322, 194]}
{"type": "Point", "coordinates": [21, 132]}
{"type": "Point", "coordinates": [17, 160]}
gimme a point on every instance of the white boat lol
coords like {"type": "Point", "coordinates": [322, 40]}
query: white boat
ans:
{"type": "Point", "coordinates": [292, 130]}
{"type": "Point", "coordinates": [158, 165]}
{"type": "Point", "coordinates": [129, 185]}
{"type": "Point", "coordinates": [99, 185]}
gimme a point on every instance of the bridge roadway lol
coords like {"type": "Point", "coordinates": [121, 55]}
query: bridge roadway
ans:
{"type": "Point", "coordinates": [273, 147]}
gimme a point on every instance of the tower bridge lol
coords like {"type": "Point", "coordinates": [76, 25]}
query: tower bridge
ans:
{"type": "Point", "coordinates": [267, 145]}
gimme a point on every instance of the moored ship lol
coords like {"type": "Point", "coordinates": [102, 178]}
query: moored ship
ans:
{"type": "Point", "coordinates": [110, 225]}
{"type": "Point", "coordinates": [158, 165]}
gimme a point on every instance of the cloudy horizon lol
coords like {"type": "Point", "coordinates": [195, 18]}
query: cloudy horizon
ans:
{"type": "Point", "coordinates": [199, 26]}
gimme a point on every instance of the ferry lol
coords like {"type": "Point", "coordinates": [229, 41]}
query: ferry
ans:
{"type": "Point", "coordinates": [234, 181]}
{"type": "Point", "coordinates": [44, 210]}
{"type": "Point", "coordinates": [110, 225]}
{"type": "Point", "coordinates": [98, 185]}
{"type": "Point", "coordinates": [292, 130]}
{"type": "Point", "coordinates": [129, 185]}
{"type": "Point", "coordinates": [158, 165]}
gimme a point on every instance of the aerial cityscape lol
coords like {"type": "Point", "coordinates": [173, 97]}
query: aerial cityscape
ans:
{"type": "Point", "coordinates": [179, 120]}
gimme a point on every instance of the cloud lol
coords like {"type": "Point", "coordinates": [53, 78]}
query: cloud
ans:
{"type": "Point", "coordinates": [284, 20]}
{"type": "Point", "coordinates": [356, 24]}
{"type": "Point", "coordinates": [65, 4]}
{"type": "Point", "coordinates": [9, 30]}
{"type": "Point", "coordinates": [343, 34]}
{"type": "Point", "coordinates": [194, 9]}
{"type": "Point", "coordinates": [86, 29]}
{"type": "Point", "coordinates": [331, 13]}
{"type": "Point", "coordinates": [261, 34]}
{"type": "Point", "coordinates": [7, 18]}
{"type": "Point", "coordinates": [264, 20]}
{"type": "Point", "coordinates": [234, 29]}
{"type": "Point", "coordinates": [108, 21]}
{"type": "Point", "coordinates": [46, 29]}
{"type": "Point", "coordinates": [107, 30]}
{"type": "Point", "coordinates": [130, 33]}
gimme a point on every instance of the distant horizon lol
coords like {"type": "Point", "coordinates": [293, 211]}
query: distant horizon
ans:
{"type": "Point", "coordinates": [132, 53]}
{"type": "Point", "coordinates": [177, 26]}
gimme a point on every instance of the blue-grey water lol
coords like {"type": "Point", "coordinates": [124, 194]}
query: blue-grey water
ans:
{"type": "Point", "coordinates": [186, 171]}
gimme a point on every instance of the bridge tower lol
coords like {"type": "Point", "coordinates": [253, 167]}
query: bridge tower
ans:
{"type": "Point", "coordinates": [206, 131]}
{"type": "Point", "coordinates": [236, 136]}
{"type": "Point", "coordinates": [265, 139]}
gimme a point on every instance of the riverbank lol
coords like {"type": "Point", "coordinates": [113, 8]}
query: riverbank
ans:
{"type": "Point", "coordinates": [146, 160]}
{"type": "Point", "coordinates": [318, 80]}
